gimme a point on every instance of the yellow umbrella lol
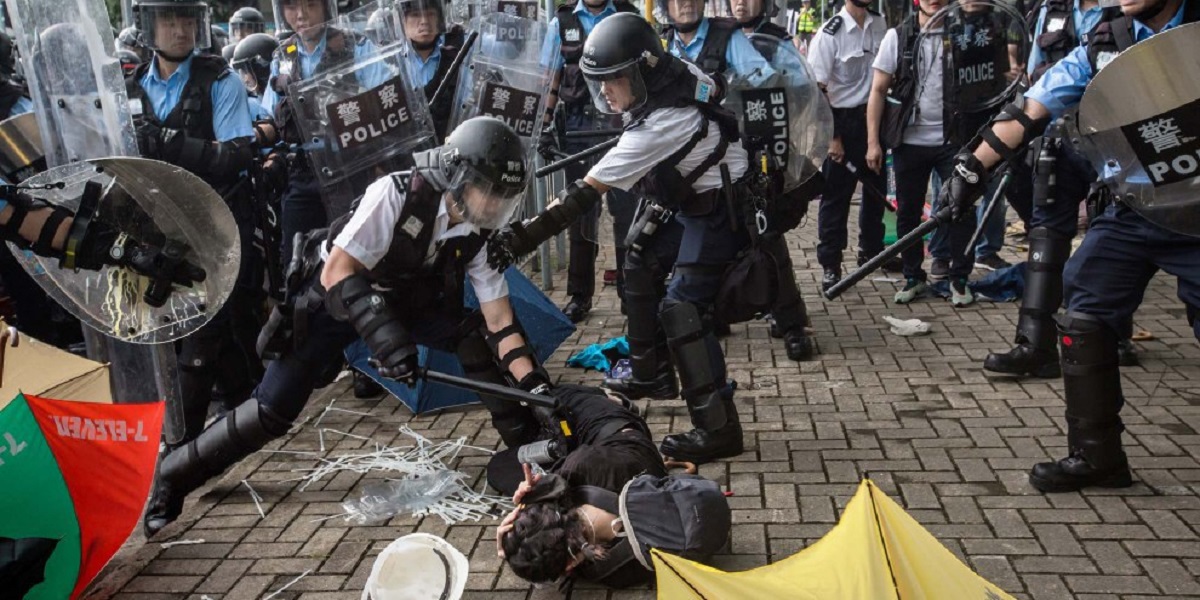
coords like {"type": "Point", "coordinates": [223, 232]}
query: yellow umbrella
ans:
{"type": "Point", "coordinates": [875, 551]}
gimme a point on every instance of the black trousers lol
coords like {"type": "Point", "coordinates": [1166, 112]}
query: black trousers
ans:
{"type": "Point", "coordinates": [913, 165]}
{"type": "Point", "coordinates": [840, 183]}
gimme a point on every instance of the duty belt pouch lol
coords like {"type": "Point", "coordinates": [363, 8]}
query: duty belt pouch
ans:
{"type": "Point", "coordinates": [749, 287]}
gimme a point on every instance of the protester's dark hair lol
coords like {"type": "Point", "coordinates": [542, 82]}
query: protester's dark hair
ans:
{"type": "Point", "coordinates": [543, 540]}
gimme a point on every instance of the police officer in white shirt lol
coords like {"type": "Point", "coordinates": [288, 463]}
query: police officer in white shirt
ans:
{"type": "Point", "coordinates": [680, 147]}
{"type": "Point", "coordinates": [394, 272]}
{"type": "Point", "coordinates": [841, 56]}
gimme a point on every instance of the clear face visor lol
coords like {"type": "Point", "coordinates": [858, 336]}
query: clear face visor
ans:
{"type": "Point", "coordinates": [617, 91]}
{"type": "Point", "coordinates": [487, 204]}
{"type": "Point", "coordinates": [303, 16]}
{"type": "Point", "coordinates": [679, 12]}
{"type": "Point", "coordinates": [242, 29]}
{"type": "Point", "coordinates": [421, 21]}
{"type": "Point", "coordinates": [175, 30]}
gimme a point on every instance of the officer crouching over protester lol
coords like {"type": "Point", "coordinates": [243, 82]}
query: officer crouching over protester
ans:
{"type": "Point", "coordinates": [194, 114]}
{"type": "Point", "coordinates": [392, 272]}
{"type": "Point", "coordinates": [1105, 279]}
{"type": "Point", "coordinates": [685, 151]}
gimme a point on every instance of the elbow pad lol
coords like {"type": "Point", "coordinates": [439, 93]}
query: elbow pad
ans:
{"type": "Point", "coordinates": [1013, 111]}
{"type": "Point", "coordinates": [575, 201]}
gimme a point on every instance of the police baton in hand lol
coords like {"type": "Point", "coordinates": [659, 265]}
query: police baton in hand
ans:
{"type": "Point", "coordinates": [452, 72]}
{"type": "Point", "coordinates": [559, 164]}
{"type": "Point", "coordinates": [489, 389]}
{"type": "Point", "coordinates": [990, 209]}
{"type": "Point", "coordinates": [902, 244]}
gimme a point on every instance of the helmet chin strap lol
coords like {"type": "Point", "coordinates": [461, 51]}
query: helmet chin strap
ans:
{"type": "Point", "coordinates": [688, 27]}
{"type": "Point", "coordinates": [174, 59]}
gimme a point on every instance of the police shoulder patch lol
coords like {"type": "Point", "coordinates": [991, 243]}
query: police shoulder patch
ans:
{"type": "Point", "coordinates": [572, 35]}
{"type": "Point", "coordinates": [833, 25]}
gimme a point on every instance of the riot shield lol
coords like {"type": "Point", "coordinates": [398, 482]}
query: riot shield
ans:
{"type": "Point", "coordinates": [361, 116]}
{"type": "Point", "coordinates": [507, 75]}
{"type": "Point", "coordinates": [983, 43]}
{"type": "Point", "coordinates": [784, 115]}
{"type": "Point", "coordinates": [1141, 128]}
{"type": "Point", "coordinates": [462, 12]}
{"type": "Point", "coordinates": [150, 201]}
{"type": "Point", "coordinates": [20, 148]}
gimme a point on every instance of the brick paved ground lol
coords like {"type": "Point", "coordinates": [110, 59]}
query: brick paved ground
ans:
{"type": "Point", "coordinates": [918, 415]}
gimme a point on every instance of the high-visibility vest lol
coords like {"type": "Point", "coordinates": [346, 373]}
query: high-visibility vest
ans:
{"type": "Point", "coordinates": [806, 22]}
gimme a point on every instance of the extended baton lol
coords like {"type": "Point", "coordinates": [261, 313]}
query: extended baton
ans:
{"type": "Point", "coordinates": [592, 133]}
{"type": "Point", "coordinates": [991, 208]}
{"type": "Point", "coordinates": [578, 156]}
{"type": "Point", "coordinates": [849, 166]}
{"type": "Point", "coordinates": [489, 389]}
{"type": "Point", "coordinates": [452, 72]}
{"type": "Point", "coordinates": [902, 244]}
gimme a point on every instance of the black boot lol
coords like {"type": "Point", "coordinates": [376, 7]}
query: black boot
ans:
{"type": "Point", "coordinates": [1092, 387]}
{"type": "Point", "coordinates": [799, 346]}
{"type": "Point", "coordinates": [650, 363]}
{"type": "Point", "coordinates": [717, 432]}
{"type": "Point", "coordinates": [242, 432]}
{"type": "Point", "coordinates": [789, 315]}
{"type": "Point", "coordinates": [578, 308]}
{"type": "Point", "coordinates": [1127, 354]}
{"type": "Point", "coordinates": [1036, 352]}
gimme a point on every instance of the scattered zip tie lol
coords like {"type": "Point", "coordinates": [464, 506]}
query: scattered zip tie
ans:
{"type": "Point", "coordinates": [181, 543]}
{"type": "Point", "coordinates": [346, 410]}
{"type": "Point", "coordinates": [288, 585]}
{"type": "Point", "coordinates": [256, 498]}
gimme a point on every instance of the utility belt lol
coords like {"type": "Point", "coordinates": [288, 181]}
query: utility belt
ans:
{"type": "Point", "coordinates": [1099, 198]}
{"type": "Point", "coordinates": [287, 326]}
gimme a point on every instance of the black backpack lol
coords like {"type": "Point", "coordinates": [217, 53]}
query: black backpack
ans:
{"type": "Point", "coordinates": [684, 515]}
{"type": "Point", "coordinates": [901, 99]}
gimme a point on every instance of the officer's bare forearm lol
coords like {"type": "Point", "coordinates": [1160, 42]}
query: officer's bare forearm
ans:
{"type": "Point", "coordinates": [31, 227]}
{"type": "Point", "coordinates": [1011, 133]}
{"type": "Point", "coordinates": [498, 314]}
{"type": "Point", "coordinates": [596, 185]}
{"type": "Point", "coordinates": [875, 101]}
{"type": "Point", "coordinates": [338, 267]}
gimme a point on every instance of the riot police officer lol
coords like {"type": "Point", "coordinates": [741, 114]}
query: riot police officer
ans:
{"type": "Point", "coordinates": [245, 22]}
{"type": "Point", "coordinates": [1106, 277]}
{"type": "Point", "coordinates": [683, 148]}
{"type": "Point", "coordinates": [194, 114]}
{"type": "Point", "coordinates": [424, 23]}
{"type": "Point", "coordinates": [219, 38]}
{"type": "Point", "coordinates": [392, 272]}
{"type": "Point", "coordinates": [252, 62]}
{"type": "Point", "coordinates": [570, 109]}
{"type": "Point", "coordinates": [13, 98]}
{"type": "Point", "coordinates": [131, 39]}
{"type": "Point", "coordinates": [1065, 177]}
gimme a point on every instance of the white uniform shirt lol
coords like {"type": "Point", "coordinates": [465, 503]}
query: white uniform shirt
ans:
{"type": "Point", "coordinates": [842, 61]}
{"type": "Point", "coordinates": [926, 127]}
{"type": "Point", "coordinates": [664, 132]}
{"type": "Point", "coordinates": [368, 235]}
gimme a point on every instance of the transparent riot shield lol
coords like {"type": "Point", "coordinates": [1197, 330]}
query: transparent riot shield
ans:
{"type": "Point", "coordinates": [1141, 128]}
{"type": "Point", "coordinates": [151, 201]}
{"type": "Point", "coordinates": [507, 75]}
{"type": "Point", "coordinates": [784, 114]}
{"type": "Point", "coordinates": [462, 12]}
{"type": "Point", "coordinates": [982, 44]}
{"type": "Point", "coordinates": [21, 153]}
{"type": "Point", "coordinates": [360, 115]}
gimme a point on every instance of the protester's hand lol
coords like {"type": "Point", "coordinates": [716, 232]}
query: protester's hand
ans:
{"type": "Point", "coordinates": [837, 152]}
{"type": "Point", "coordinates": [505, 526]}
{"type": "Point", "coordinates": [964, 187]}
{"type": "Point", "coordinates": [531, 480]}
{"type": "Point", "coordinates": [875, 157]}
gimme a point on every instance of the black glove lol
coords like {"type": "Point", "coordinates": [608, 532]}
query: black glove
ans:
{"type": "Point", "coordinates": [399, 364]}
{"type": "Point", "coordinates": [102, 244]}
{"type": "Point", "coordinates": [500, 255]}
{"type": "Point", "coordinates": [964, 187]}
{"type": "Point", "coordinates": [547, 144]}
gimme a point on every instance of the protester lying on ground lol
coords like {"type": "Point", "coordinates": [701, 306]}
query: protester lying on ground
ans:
{"type": "Point", "coordinates": [573, 522]}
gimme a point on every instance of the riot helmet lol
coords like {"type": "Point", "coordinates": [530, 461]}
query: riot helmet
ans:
{"type": "Point", "coordinates": [302, 15]}
{"type": "Point", "coordinates": [173, 29]}
{"type": "Point", "coordinates": [227, 52]}
{"type": "Point", "coordinates": [482, 165]}
{"type": "Point", "coordinates": [620, 59]}
{"type": "Point", "coordinates": [219, 38]}
{"type": "Point", "coordinates": [131, 39]}
{"type": "Point", "coordinates": [683, 16]}
{"type": "Point", "coordinates": [244, 22]}
{"type": "Point", "coordinates": [129, 61]}
{"type": "Point", "coordinates": [750, 13]}
{"type": "Point", "coordinates": [423, 22]}
{"type": "Point", "coordinates": [8, 57]}
{"type": "Point", "coordinates": [252, 60]}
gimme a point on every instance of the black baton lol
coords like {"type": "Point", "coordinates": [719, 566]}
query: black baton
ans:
{"type": "Point", "coordinates": [902, 244]}
{"type": "Point", "coordinates": [490, 389]}
{"type": "Point", "coordinates": [452, 72]}
{"type": "Point", "coordinates": [559, 164]}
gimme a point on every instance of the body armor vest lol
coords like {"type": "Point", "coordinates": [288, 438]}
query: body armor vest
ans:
{"type": "Point", "coordinates": [711, 58]}
{"type": "Point", "coordinates": [1114, 34]}
{"type": "Point", "coordinates": [1055, 45]}
{"type": "Point", "coordinates": [440, 112]}
{"type": "Point", "coordinates": [339, 47]}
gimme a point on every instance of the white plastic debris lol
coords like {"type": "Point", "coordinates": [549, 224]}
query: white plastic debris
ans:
{"type": "Point", "coordinates": [421, 483]}
{"type": "Point", "coordinates": [417, 567]}
{"type": "Point", "coordinates": [180, 543]}
{"type": "Point", "coordinates": [907, 327]}
{"type": "Point", "coordinates": [287, 585]}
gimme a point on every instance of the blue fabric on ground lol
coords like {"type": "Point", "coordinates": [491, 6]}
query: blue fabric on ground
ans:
{"type": "Point", "coordinates": [599, 357]}
{"type": "Point", "coordinates": [1003, 285]}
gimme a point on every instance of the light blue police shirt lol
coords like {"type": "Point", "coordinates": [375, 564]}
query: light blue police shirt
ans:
{"type": "Point", "coordinates": [1063, 84]}
{"type": "Point", "coordinates": [743, 59]}
{"type": "Point", "coordinates": [1084, 22]}
{"type": "Point", "coordinates": [422, 70]}
{"type": "Point", "coordinates": [368, 77]}
{"type": "Point", "coordinates": [231, 110]}
{"type": "Point", "coordinates": [23, 105]}
{"type": "Point", "coordinates": [550, 47]}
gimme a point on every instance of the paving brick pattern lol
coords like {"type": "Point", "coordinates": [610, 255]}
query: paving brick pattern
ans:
{"type": "Point", "coordinates": [915, 414]}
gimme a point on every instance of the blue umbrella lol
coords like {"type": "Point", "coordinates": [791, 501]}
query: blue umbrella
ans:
{"type": "Point", "coordinates": [543, 321]}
